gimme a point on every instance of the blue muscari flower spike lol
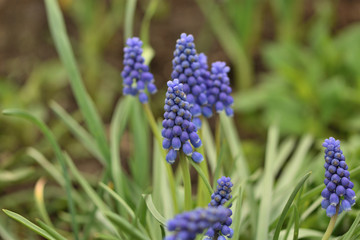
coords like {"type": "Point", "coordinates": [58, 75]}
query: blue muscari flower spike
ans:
{"type": "Point", "coordinates": [219, 89]}
{"type": "Point", "coordinates": [338, 191]}
{"type": "Point", "coordinates": [190, 68]}
{"type": "Point", "coordinates": [188, 224]}
{"type": "Point", "coordinates": [178, 131]}
{"type": "Point", "coordinates": [136, 75]}
{"type": "Point", "coordinates": [221, 195]}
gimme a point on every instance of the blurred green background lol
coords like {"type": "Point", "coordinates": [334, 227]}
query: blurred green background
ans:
{"type": "Point", "coordinates": [294, 63]}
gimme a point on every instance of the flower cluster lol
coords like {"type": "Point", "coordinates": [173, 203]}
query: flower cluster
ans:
{"type": "Point", "coordinates": [136, 75]}
{"type": "Point", "coordinates": [178, 130]}
{"type": "Point", "coordinates": [187, 225]}
{"type": "Point", "coordinates": [191, 70]}
{"type": "Point", "coordinates": [219, 198]}
{"type": "Point", "coordinates": [219, 89]}
{"type": "Point", "coordinates": [338, 192]}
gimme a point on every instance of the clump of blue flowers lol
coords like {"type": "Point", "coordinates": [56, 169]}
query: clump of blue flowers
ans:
{"type": "Point", "coordinates": [187, 225]}
{"type": "Point", "coordinates": [178, 130]}
{"type": "Point", "coordinates": [338, 192]}
{"type": "Point", "coordinates": [190, 68]}
{"type": "Point", "coordinates": [136, 75]}
{"type": "Point", "coordinates": [218, 89]}
{"type": "Point", "coordinates": [221, 195]}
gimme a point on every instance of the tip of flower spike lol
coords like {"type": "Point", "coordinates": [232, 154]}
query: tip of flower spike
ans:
{"type": "Point", "coordinates": [134, 41]}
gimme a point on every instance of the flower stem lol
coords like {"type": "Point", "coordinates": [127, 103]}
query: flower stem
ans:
{"type": "Point", "coordinates": [184, 164]}
{"type": "Point", "coordinates": [202, 195]}
{"type": "Point", "coordinates": [331, 225]}
{"type": "Point", "coordinates": [158, 137]}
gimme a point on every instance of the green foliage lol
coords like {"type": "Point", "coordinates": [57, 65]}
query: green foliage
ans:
{"type": "Point", "coordinates": [309, 91]}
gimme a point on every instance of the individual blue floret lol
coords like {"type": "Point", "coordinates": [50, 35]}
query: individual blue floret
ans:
{"type": "Point", "coordinates": [221, 195]}
{"type": "Point", "coordinates": [338, 191]}
{"type": "Point", "coordinates": [191, 70]}
{"type": "Point", "coordinates": [189, 224]}
{"type": "Point", "coordinates": [178, 130]}
{"type": "Point", "coordinates": [136, 75]}
{"type": "Point", "coordinates": [218, 89]}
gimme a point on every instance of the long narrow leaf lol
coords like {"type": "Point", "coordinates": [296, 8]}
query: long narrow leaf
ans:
{"type": "Point", "coordinates": [79, 132]}
{"type": "Point", "coordinates": [28, 224]}
{"type": "Point", "coordinates": [50, 137]}
{"type": "Point", "coordinates": [50, 230]}
{"type": "Point", "coordinates": [288, 204]}
{"type": "Point", "coordinates": [150, 205]}
{"type": "Point", "coordinates": [350, 233]}
{"type": "Point", "coordinates": [63, 47]}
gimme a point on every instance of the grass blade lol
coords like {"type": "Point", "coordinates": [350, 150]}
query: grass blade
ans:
{"type": "Point", "coordinates": [79, 132]}
{"type": "Point", "coordinates": [150, 205]}
{"type": "Point", "coordinates": [202, 175]}
{"type": "Point", "coordinates": [125, 226]}
{"type": "Point", "coordinates": [288, 204]}
{"type": "Point", "coordinates": [118, 123]}
{"type": "Point", "coordinates": [50, 230]}
{"type": "Point", "coordinates": [50, 137]}
{"type": "Point", "coordinates": [39, 200]}
{"type": "Point", "coordinates": [28, 224]}
{"type": "Point", "coordinates": [237, 213]}
{"type": "Point", "coordinates": [267, 185]}
{"type": "Point", "coordinates": [349, 233]}
{"type": "Point", "coordinates": [119, 199]}
{"type": "Point", "coordinates": [63, 47]}
{"type": "Point", "coordinates": [296, 223]}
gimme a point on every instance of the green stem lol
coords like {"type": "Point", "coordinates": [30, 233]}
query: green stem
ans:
{"type": "Point", "coordinates": [158, 137]}
{"type": "Point", "coordinates": [184, 164]}
{"type": "Point", "coordinates": [331, 225]}
{"type": "Point", "coordinates": [129, 18]}
{"type": "Point", "coordinates": [202, 195]}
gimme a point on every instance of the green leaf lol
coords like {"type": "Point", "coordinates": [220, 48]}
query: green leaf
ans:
{"type": "Point", "coordinates": [119, 199]}
{"type": "Point", "coordinates": [125, 226]}
{"type": "Point", "coordinates": [288, 204]}
{"type": "Point", "coordinates": [50, 137]}
{"type": "Point", "coordinates": [202, 175]}
{"type": "Point", "coordinates": [297, 223]}
{"type": "Point", "coordinates": [150, 205]}
{"type": "Point", "coordinates": [50, 230]}
{"type": "Point", "coordinates": [28, 224]}
{"type": "Point", "coordinates": [79, 132]}
{"type": "Point", "coordinates": [118, 123]}
{"type": "Point", "coordinates": [63, 47]}
{"type": "Point", "coordinates": [267, 185]}
{"type": "Point", "coordinates": [237, 212]}
{"type": "Point", "coordinates": [350, 233]}
{"type": "Point", "coordinates": [15, 175]}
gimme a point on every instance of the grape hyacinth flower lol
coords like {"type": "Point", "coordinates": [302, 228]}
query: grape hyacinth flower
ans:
{"type": "Point", "coordinates": [338, 192]}
{"type": "Point", "coordinates": [218, 199]}
{"type": "Point", "coordinates": [219, 89]}
{"type": "Point", "coordinates": [190, 68]}
{"type": "Point", "coordinates": [187, 225]}
{"type": "Point", "coordinates": [178, 130]}
{"type": "Point", "coordinates": [136, 75]}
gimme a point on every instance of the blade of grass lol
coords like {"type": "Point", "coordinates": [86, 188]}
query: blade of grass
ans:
{"type": "Point", "coordinates": [288, 204]}
{"type": "Point", "coordinates": [202, 175]}
{"type": "Point", "coordinates": [63, 47]}
{"type": "Point", "coordinates": [50, 137]}
{"type": "Point", "coordinates": [125, 226]}
{"type": "Point", "coordinates": [28, 224]}
{"type": "Point", "coordinates": [296, 223]}
{"type": "Point", "coordinates": [209, 144]}
{"type": "Point", "coordinates": [50, 230]}
{"type": "Point", "coordinates": [79, 132]}
{"type": "Point", "coordinates": [39, 200]}
{"type": "Point", "coordinates": [140, 164]}
{"type": "Point", "coordinates": [267, 186]}
{"type": "Point", "coordinates": [151, 207]}
{"type": "Point", "coordinates": [349, 233]}
{"type": "Point", "coordinates": [185, 169]}
{"type": "Point", "coordinates": [237, 213]}
{"type": "Point", "coordinates": [118, 199]}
